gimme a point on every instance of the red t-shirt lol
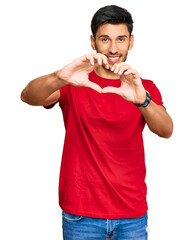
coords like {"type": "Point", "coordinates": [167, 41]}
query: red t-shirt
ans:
{"type": "Point", "coordinates": [103, 165]}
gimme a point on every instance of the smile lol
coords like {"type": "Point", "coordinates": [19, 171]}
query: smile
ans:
{"type": "Point", "coordinates": [114, 59]}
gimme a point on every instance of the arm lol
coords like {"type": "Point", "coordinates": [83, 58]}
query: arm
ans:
{"type": "Point", "coordinates": [157, 119]}
{"type": "Point", "coordinates": [44, 90]}
{"type": "Point", "coordinates": [132, 90]}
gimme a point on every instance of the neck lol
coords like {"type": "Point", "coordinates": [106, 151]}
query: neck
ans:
{"type": "Point", "coordinates": [105, 73]}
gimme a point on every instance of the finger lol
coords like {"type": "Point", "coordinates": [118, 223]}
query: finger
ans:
{"type": "Point", "coordinates": [111, 90]}
{"type": "Point", "coordinates": [105, 61]}
{"type": "Point", "coordinates": [114, 67]}
{"type": "Point", "coordinates": [122, 69]}
{"type": "Point", "coordinates": [91, 59]}
{"type": "Point", "coordinates": [119, 67]}
{"type": "Point", "coordinates": [84, 58]}
{"type": "Point", "coordinates": [99, 58]}
{"type": "Point", "coordinates": [131, 71]}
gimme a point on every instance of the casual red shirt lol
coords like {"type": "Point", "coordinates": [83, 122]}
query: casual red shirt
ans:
{"type": "Point", "coordinates": [103, 165]}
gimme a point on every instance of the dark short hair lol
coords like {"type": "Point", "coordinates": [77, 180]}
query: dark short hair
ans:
{"type": "Point", "coordinates": [111, 14]}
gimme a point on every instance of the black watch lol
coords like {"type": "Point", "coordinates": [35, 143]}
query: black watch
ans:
{"type": "Point", "coordinates": [147, 101]}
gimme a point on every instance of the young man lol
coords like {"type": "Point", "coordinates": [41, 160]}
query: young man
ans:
{"type": "Point", "coordinates": [105, 106]}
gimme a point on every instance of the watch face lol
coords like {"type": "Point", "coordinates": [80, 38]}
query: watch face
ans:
{"type": "Point", "coordinates": [147, 101]}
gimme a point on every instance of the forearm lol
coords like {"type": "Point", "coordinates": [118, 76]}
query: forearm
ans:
{"type": "Point", "coordinates": [41, 88]}
{"type": "Point", "coordinates": [157, 119]}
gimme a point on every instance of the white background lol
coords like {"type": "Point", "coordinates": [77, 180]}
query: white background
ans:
{"type": "Point", "coordinates": [41, 36]}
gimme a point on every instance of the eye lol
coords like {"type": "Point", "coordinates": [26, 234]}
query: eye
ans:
{"type": "Point", "coordinates": [121, 39]}
{"type": "Point", "coordinates": [104, 39]}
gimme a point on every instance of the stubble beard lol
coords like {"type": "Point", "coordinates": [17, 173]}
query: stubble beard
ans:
{"type": "Point", "coordinates": [125, 57]}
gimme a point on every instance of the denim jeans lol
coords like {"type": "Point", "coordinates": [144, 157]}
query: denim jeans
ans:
{"type": "Point", "coordinates": [86, 228]}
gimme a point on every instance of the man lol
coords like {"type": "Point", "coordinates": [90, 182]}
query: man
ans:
{"type": "Point", "coordinates": [105, 106]}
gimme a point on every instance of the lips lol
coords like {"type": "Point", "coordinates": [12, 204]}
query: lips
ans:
{"type": "Point", "coordinates": [113, 59]}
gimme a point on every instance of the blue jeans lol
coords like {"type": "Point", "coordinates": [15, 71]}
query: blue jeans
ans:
{"type": "Point", "coordinates": [86, 228]}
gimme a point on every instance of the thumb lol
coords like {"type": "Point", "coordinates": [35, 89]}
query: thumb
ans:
{"type": "Point", "coordinates": [111, 90]}
{"type": "Point", "coordinates": [94, 86]}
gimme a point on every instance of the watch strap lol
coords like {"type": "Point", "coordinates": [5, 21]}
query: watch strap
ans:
{"type": "Point", "coordinates": [147, 101]}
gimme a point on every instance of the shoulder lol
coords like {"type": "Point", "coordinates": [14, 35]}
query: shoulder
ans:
{"type": "Point", "coordinates": [153, 90]}
{"type": "Point", "coordinates": [148, 84]}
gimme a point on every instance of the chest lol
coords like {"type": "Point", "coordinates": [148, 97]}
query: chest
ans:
{"type": "Point", "coordinates": [101, 109]}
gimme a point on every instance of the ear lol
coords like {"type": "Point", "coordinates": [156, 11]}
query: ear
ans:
{"type": "Point", "coordinates": [92, 39]}
{"type": "Point", "coordinates": [131, 41]}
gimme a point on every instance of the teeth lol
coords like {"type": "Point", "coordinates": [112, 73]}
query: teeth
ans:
{"type": "Point", "coordinates": [113, 58]}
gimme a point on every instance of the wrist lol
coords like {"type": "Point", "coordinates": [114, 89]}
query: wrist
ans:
{"type": "Point", "coordinates": [60, 78]}
{"type": "Point", "coordinates": [146, 102]}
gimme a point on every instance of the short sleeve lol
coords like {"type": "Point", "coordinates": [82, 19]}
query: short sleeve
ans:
{"type": "Point", "coordinates": [50, 106]}
{"type": "Point", "coordinates": [64, 92]}
{"type": "Point", "coordinates": [153, 91]}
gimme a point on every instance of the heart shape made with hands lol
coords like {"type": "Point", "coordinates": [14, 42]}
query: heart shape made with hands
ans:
{"type": "Point", "coordinates": [77, 72]}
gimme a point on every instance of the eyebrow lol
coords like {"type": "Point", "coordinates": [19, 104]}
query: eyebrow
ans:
{"type": "Point", "coordinates": [121, 36]}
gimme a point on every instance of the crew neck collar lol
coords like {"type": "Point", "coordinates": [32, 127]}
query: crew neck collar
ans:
{"type": "Point", "coordinates": [107, 81]}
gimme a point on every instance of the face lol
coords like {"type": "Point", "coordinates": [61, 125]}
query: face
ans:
{"type": "Point", "coordinates": [113, 41]}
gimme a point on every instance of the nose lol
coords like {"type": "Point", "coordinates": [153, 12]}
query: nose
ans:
{"type": "Point", "coordinates": [113, 48]}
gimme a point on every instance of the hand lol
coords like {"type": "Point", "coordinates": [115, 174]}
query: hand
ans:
{"type": "Point", "coordinates": [131, 88]}
{"type": "Point", "coordinates": [76, 73]}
